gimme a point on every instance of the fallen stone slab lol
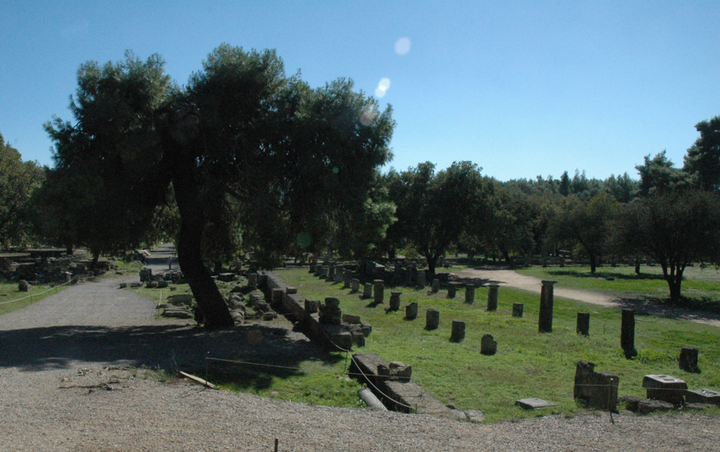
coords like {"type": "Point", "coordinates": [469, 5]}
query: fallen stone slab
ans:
{"type": "Point", "coordinates": [646, 406]}
{"type": "Point", "coordinates": [534, 404]}
{"type": "Point", "coordinates": [702, 396]}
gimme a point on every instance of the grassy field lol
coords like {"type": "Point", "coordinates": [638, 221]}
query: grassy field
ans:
{"type": "Point", "coordinates": [11, 298]}
{"type": "Point", "coordinates": [700, 287]}
{"type": "Point", "coordinates": [528, 364]}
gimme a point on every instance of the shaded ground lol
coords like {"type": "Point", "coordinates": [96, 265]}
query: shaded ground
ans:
{"type": "Point", "coordinates": [511, 278]}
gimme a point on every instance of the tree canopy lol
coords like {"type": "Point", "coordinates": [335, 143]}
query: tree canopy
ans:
{"type": "Point", "coordinates": [248, 153]}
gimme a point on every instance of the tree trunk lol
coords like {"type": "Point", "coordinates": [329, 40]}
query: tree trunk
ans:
{"type": "Point", "coordinates": [432, 262]}
{"type": "Point", "coordinates": [189, 252]}
{"type": "Point", "coordinates": [69, 250]}
{"type": "Point", "coordinates": [93, 264]}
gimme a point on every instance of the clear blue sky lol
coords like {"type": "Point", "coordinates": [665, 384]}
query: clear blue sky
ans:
{"type": "Point", "coordinates": [522, 88]}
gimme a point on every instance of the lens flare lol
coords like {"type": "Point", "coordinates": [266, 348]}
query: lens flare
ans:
{"type": "Point", "coordinates": [402, 46]}
{"type": "Point", "coordinates": [382, 88]}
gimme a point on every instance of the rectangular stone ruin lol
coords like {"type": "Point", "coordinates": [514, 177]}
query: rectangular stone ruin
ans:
{"type": "Point", "coordinates": [596, 389]}
{"type": "Point", "coordinates": [689, 359]}
{"type": "Point", "coordinates": [583, 323]}
{"type": "Point", "coordinates": [517, 310]}
{"type": "Point", "coordinates": [534, 404]}
{"type": "Point", "coordinates": [492, 302]}
{"type": "Point", "coordinates": [395, 300]}
{"type": "Point", "coordinates": [452, 289]}
{"type": "Point", "coordinates": [488, 345]}
{"type": "Point", "coordinates": [226, 277]}
{"type": "Point", "coordinates": [432, 319]}
{"type": "Point", "coordinates": [702, 396]}
{"type": "Point", "coordinates": [457, 333]}
{"type": "Point", "coordinates": [545, 319]}
{"type": "Point", "coordinates": [665, 387]}
{"type": "Point", "coordinates": [354, 285]}
{"type": "Point", "coordinates": [411, 311]}
{"type": "Point", "coordinates": [367, 291]}
{"type": "Point", "coordinates": [469, 293]}
{"type": "Point", "coordinates": [378, 290]}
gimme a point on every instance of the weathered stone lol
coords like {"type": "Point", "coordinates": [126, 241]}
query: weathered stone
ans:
{"type": "Point", "coordinates": [435, 285]}
{"type": "Point", "coordinates": [583, 323]}
{"type": "Point", "coordinates": [290, 290]}
{"type": "Point", "coordinates": [123, 285]}
{"type": "Point", "coordinates": [458, 331]}
{"type": "Point", "coordinates": [452, 289]}
{"type": "Point", "coordinates": [352, 319]}
{"type": "Point", "coordinates": [432, 319]}
{"type": "Point", "coordinates": [180, 299]}
{"type": "Point", "coordinates": [630, 402]}
{"type": "Point", "coordinates": [331, 273]}
{"type": "Point", "coordinates": [534, 404]}
{"type": "Point", "coordinates": [347, 276]}
{"type": "Point", "coordinates": [151, 284]}
{"type": "Point", "coordinates": [627, 332]}
{"type": "Point", "coordinates": [330, 313]}
{"type": "Point", "coordinates": [276, 297]}
{"type": "Point", "coordinates": [545, 319]}
{"type": "Point", "coordinates": [517, 310]}
{"type": "Point", "coordinates": [367, 291]}
{"type": "Point", "coordinates": [252, 280]}
{"type": "Point", "coordinates": [421, 278]}
{"type": "Point", "coordinates": [702, 396]}
{"type": "Point", "coordinates": [270, 315]}
{"type": "Point", "coordinates": [146, 274]}
{"type": "Point", "coordinates": [469, 293]}
{"type": "Point", "coordinates": [492, 302]}
{"type": "Point", "coordinates": [358, 337]}
{"type": "Point", "coordinates": [395, 300]}
{"type": "Point", "coordinates": [136, 285]}
{"type": "Point", "coordinates": [339, 274]}
{"type": "Point", "coordinates": [312, 268]}
{"type": "Point", "coordinates": [238, 316]}
{"type": "Point", "coordinates": [366, 328]}
{"type": "Point", "coordinates": [596, 389]}
{"type": "Point", "coordinates": [646, 406]}
{"type": "Point", "coordinates": [226, 277]}
{"type": "Point", "coordinates": [24, 286]}
{"type": "Point", "coordinates": [665, 387]}
{"type": "Point", "coordinates": [488, 345]}
{"type": "Point", "coordinates": [324, 272]}
{"type": "Point", "coordinates": [179, 313]}
{"type": "Point", "coordinates": [162, 284]}
{"type": "Point", "coordinates": [379, 290]}
{"type": "Point", "coordinates": [411, 311]}
{"type": "Point", "coordinates": [474, 416]}
{"type": "Point", "coordinates": [311, 306]}
{"type": "Point", "coordinates": [354, 285]}
{"type": "Point", "coordinates": [689, 359]}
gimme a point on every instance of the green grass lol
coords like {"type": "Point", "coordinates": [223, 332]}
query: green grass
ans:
{"type": "Point", "coordinates": [528, 364]}
{"type": "Point", "coordinates": [11, 298]}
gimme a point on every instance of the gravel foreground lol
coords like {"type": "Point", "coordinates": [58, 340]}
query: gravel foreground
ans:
{"type": "Point", "coordinates": [72, 379]}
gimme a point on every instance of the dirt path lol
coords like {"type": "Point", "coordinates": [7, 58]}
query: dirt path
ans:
{"type": "Point", "coordinates": [511, 278]}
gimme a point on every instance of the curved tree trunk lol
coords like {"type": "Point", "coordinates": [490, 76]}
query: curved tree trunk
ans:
{"type": "Point", "coordinates": [192, 223]}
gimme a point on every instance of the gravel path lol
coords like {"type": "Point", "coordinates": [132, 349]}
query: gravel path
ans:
{"type": "Point", "coordinates": [70, 380]}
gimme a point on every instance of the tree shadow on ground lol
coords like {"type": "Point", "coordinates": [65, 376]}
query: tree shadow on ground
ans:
{"type": "Point", "coordinates": [605, 275]}
{"type": "Point", "coordinates": [257, 353]}
{"type": "Point", "coordinates": [685, 309]}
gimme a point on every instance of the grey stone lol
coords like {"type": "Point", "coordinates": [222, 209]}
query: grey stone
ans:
{"type": "Point", "coordinates": [435, 285]}
{"type": "Point", "coordinates": [24, 286]}
{"type": "Point", "coordinates": [411, 311]}
{"type": "Point", "coordinates": [492, 302]}
{"type": "Point", "coordinates": [596, 389]}
{"type": "Point", "coordinates": [517, 310]}
{"type": "Point", "coordinates": [458, 331]}
{"type": "Point", "coordinates": [646, 406]}
{"type": "Point", "coordinates": [395, 300]}
{"type": "Point", "coordinates": [702, 396]}
{"type": "Point", "coordinates": [330, 313]}
{"type": "Point", "coordinates": [452, 289]}
{"type": "Point", "coordinates": [488, 345]}
{"type": "Point", "coordinates": [534, 404]}
{"type": "Point", "coordinates": [469, 293]}
{"type": "Point", "coordinates": [688, 359]}
{"type": "Point", "coordinates": [583, 323]}
{"type": "Point", "coordinates": [354, 285]}
{"type": "Point", "coordinates": [367, 291]}
{"type": "Point", "coordinates": [474, 416]}
{"type": "Point", "coordinates": [627, 332]}
{"type": "Point", "coordinates": [545, 319]}
{"type": "Point", "coordinates": [379, 290]}
{"type": "Point", "coordinates": [352, 319]}
{"type": "Point", "coordinates": [665, 387]}
{"type": "Point", "coordinates": [432, 319]}
{"type": "Point", "coordinates": [421, 278]}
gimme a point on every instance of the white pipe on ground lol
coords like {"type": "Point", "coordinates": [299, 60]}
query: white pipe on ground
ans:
{"type": "Point", "coordinates": [372, 401]}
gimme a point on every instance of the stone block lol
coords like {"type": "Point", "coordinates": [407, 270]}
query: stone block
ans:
{"type": "Point", "coordinates": [469, 293]}
{"type": "Point", "coordinates": [517, 310]}
{"type": "Point", "coordinates": [492, 302]}
{"type": "Point", "coordinates": [596, 389]}
{"type": "Point", "coordinates": [646, 406]}
{"type": "Point", "coordinates": [352, 319]}
{"type": "Point", "coordinates": [227, 277]}
{"type": "Point", "coordinates": [395, 300]}
{"type": "Point", "coordinates": [702, 396]}
{"type": "Point", "coordinates": [452, 289]}
{"type": "Point", "coordinates": [435, 288]}
{"type": "Point", "coordinates": [583, 323]}
{"type": "Point", "coordinates": [488, 345]}
{"type": "Point", "coordinates": [689, 359]}
{"type": "Point", "coordinates": [458, 331]}
{"type": "Point", "coordinates": [366, 328]}
{"type": "Point", "coordinates": [665, 387]}
{"type": "Point", "coordinates": [534, 404]}
{"type": "Point", "coordinates": [411, 311]}
{"type": "Point", "coordinates": [432, 319]}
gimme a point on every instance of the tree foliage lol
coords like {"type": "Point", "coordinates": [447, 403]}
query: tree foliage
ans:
{"type": "Point", "coordinates": [249, 155]}
{"type": "Point", "coordinates": [18, 179]}
{"type": "Point", "coordinates": [703, 158]}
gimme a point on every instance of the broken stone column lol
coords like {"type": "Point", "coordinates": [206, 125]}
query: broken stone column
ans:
{"type": "Point", "coordinates": [421, 278]}
{"type": "Point", "coordinates": [252, 280]}
{"type": "Point", "coordinates": [492, 297]}
{"type": "Point", "coordinates": [627, 332]}
{"type": "Point", "coordinates": [411, 311]}
{"type": "Point", "coordinates": [395, 300]}
{"type": "Point", "coordinates": [330, 313]}
{"type": "Point", "coordinates": [354, 285]}
{"type": "Point", "coordinates": [324, 272]}
{"type": "Point", "coordinates": [517, 310]}
{"type": "Point", "coordinates": [435, 285]}
{"type": "Point", "coordinates": [689, 359]}
{"type": "Point", "coordinates": [379, 289]}
{"type": "Point", "coordinates": [469, 293]}
{"type": "Point", "coordinates": [545, 319]}
{"type": "Point", "coordinates": [452, 288]}
{"type": "Point", "coordinates": [312, 268]}
{"type": "Point", "coordinates": [488, 345]}
{"type": "Point", "coordinates": [311, 306]}
{"type": "Point", "coordinates": [458, 331]}
{"type": "Point", "coordinates": [339, 274]}
{"type": "Point", "coordinates": [596, 389]}
{"type": "Point", "coordinates": [276, 298]}
{"type": "Point", "coordinates": [367, 290]}
{"type": "Point", "coordinates": [583, 323]}
{"type": "Point", "coordinates": [432, 319]}
{"type": "Point", "coordinates": [330, 273]}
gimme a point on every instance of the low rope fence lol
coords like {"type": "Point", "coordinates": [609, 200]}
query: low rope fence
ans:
{"type": "Point", "coordinates": [36, 294]}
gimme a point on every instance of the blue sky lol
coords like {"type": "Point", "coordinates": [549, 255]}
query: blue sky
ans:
{"type": "Point", "coordinates": [520, 88]}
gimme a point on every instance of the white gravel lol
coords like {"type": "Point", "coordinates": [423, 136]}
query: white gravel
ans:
{"type": "Point", "coordinates": [70, 381]}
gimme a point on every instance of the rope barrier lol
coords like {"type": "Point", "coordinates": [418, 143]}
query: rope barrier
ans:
{"type": "Point", "coordinates": [35, 295]}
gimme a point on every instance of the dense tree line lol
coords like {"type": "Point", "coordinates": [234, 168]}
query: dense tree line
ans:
{"type": "Point", "coordinates": [246, 159]}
